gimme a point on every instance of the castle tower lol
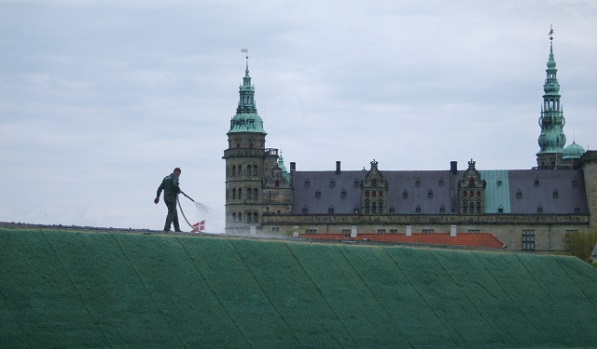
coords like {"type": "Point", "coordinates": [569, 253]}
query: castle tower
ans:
{"type": "Point", "coordinates": [244, 161]}
{"type": "Point", "coordinates": [255, 183]}
{"type": "Point", "coordinates": [552, 139]}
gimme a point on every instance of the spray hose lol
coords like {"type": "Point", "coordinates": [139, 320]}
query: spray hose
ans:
{"type": "Point", "coordinates": [181, 211]}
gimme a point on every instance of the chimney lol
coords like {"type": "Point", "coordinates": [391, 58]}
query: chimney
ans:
{"type": "Point", "coordinates": [292, 167]}
{"type": "Point", "coordinates": [454, 167]}
{"type": "Point", "coordinates": [338, 170]}
{"type": "Point", "coordinates": [453, 231]}
{"type": "Point", "coordinates": [353, 232]}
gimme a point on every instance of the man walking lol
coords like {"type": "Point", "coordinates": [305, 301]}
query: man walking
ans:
{"type": "Point", "coordinates": [171, 189]}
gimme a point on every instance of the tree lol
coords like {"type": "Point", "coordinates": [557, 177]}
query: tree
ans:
{"type": "Point", "coordinates": [581, 244]}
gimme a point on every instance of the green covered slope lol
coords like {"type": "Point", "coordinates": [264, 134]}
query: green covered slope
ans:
{"type": "Point", "coordinates": [61, 288]}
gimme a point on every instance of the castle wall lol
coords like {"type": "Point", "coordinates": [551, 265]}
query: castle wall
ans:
{"type": "Point", "coordinates": [550, 231]}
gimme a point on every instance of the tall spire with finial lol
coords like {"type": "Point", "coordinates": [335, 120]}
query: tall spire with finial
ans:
{"type": "Point", "coordinates": [246, 118]}
{"type": "Point", "coordinates": [552, 139]}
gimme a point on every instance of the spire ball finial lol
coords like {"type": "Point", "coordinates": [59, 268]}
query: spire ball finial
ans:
{"type": "Point", "coordinates": [551, 32]}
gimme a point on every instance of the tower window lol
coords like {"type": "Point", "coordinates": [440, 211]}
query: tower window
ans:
{"type": "Point", "coordinates": [255, 194]}
{"type": "Point", "coordinates": [234, 193]}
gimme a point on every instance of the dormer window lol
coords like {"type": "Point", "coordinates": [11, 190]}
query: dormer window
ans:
{"type": "Point", "coordinates": [305, 210]}
{"type": "Point", "coordinates": [519, 194]}
{"type": "Point", "coordinates": [430, 194]}
{"type": "Point", "coordinates": [441, 182]}
{"type": "Point", "coordinates": [442, 209]}
{"type": "Point", "coordinates": [418, 183]}
{"type": "Point", "coordinates": [307, 182]}
{"type": "Point", "coordinates": [539, 209]}
{"type": "Point", "coordinates": [418, 209]}
{"type": "Point", "coordinates": [331, 210]}
{"type": "Point", "coordinates": [318, 193]}
{"type": "Point", "coordinates": [555, 194]}
{"type": "Point", "coordinates": [536, 182]}
{"type": "Point", "coordinates": [405, 194]}
{"type": "Point", "coordinates": [501, 209]}
{"type": "Point", "coordinates": [343, 193]}
{"type": "Point", "coordinates": [332, 183]}
{"type": "Point", "coordinates": [574, 182]}
{"type": "Point", "coordinates": [499, 181]}
{"type": "Point", "coordinates": [392, 209]}
{"type": "Point", "coordinates": [356, 183]}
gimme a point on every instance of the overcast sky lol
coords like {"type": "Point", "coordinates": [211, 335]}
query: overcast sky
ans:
{"type": "Point", "coordinates": [99, 100]}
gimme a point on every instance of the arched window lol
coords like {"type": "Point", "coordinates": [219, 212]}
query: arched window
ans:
{"type": "Point", "coordinates": [249, 194]}
{"type": "Point", "coordinates": [249, 172]}
{"type": "Point", "coordinates": [234, 217]}
{"type": "Point", "coordinates": [234, 193]}
{"type": "Point", "coordinates": [277, 183]}
{"type": "Point", "coordinates": [255, 171]}
{"type": "Point", "coordinates": [255, 194]}
{"type": "Point", "coordinates": [240, 193]}
{"type": "Point", "coordinates": [255, 217]}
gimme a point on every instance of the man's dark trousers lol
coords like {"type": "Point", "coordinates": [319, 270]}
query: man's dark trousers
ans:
{"type": "Point", "coordinates": [172, 216]}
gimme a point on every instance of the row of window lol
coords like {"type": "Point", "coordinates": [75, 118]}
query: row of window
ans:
{"type": "Point", "coordinates": [251, 193]}
{"type": "Point", "coordinates": [249, 217]}
{"type": "Point", "coordinates": [373, 208]}
{"type": "Point", "coordinates": [357, 182]}
{"type": "Point", "coordinates": [469, 207]}
{"type": "Point", "coordinates": [248, 170]}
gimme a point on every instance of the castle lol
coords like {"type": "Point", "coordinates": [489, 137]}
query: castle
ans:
{"type": "Point", "coordinates": [530, 210]}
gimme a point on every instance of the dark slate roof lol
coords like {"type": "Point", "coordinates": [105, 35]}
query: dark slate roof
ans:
{"type": "Point", "coordinates": [538, 188]}
{"type": "Point", "coordinates": [430, 190]}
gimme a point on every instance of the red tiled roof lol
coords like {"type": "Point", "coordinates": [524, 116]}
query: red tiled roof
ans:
{"type": "Point", "coordinates": [484, 240]}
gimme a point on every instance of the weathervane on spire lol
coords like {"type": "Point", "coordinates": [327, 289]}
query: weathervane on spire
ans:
{"type": "Point", "coordinates": [246, 51]}
{"type": "Point", "coordinates": [551, 33]}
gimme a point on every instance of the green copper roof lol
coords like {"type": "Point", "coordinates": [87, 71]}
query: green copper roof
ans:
{"type": "Point", "coordinates": [573, 151]}
{"type": "Point", "coordinates": [246, 118]}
